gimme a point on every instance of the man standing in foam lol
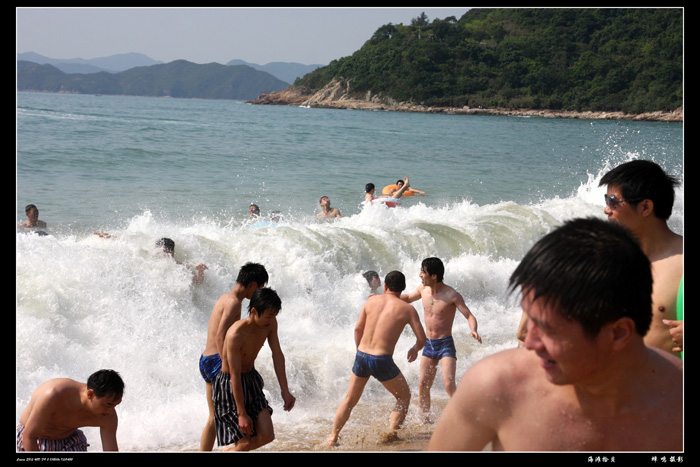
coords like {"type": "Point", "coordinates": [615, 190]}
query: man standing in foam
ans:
{"type": "Point", "coordinates": [378, 328]}
{"type": "Point", "coordinates": [227, 310]}
{"type": "Point", "coordinates": [440, 305]}
{"type": "Point", "coordinates": [243, 415]}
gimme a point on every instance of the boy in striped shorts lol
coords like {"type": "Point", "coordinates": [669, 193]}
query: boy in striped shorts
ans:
{"type": "Point", "coordinates": [242, 414]}
{"type": "Point", "coordinates": [60, 406]}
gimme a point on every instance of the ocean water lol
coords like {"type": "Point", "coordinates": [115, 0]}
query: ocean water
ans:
{"type": "Point", "coordinates": [143, 168]}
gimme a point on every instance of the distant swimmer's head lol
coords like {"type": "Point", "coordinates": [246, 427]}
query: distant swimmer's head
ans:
{"type": "Point", "coordinates": [254, 210]}
{"type": "Point", "coordinates": [399, 183]}
{"type": "Point", "coordinates": [369, 188]}
{"type": "Point", "coordinates": [252, 273]}
{"type": "Point", "coordinates": [324, 200]}
{"type": "Point", "coordinates": [167, 245]}
{"type": "Point", "coordinates": [265, 300]}
{"type": "Point", "coordinates": [395, 281]}
{"type": "Point", "coordinates": [372, 279]}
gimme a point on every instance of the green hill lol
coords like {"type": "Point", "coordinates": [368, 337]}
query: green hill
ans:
{"type": "Point", "coordinates": [175, 79]}
{"type": "Point", "coordinates": [601, 59]}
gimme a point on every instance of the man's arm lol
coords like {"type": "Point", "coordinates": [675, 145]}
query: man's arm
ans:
{"type": "Point", "coordinates": [417, 328]}
{"type": "Point", "coordinates": [360, 327]}
{"type": "Point", "coordinates": [278, 361]}
{"type": "Point", "coordinates": [108, 433]}
{"type": "Point", "coordinates": [471, 319]}
{"type": "Point", "coordinates": [233, 343]}
{"type": "Point", "coordinates": [413, 296]}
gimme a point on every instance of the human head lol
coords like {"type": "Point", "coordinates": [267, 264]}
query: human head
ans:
{"type": "Point", "coordinates": [433, 267]}
{"type": "Point", "coordinates": [265, 299]}
{"type": "Point", "coordinates": [254, 210]}
{"type": "Point", "coordinates": [31, 211]}
{"type": "Point", "coordinates": [590, 271]}
{"type": "Point", "coordinates": [372, 279]}
{"type": "Point", "coordinates": [641, 179]}
{"type": "Point", "coordinates": [369, 188]}
{"type": "Point", "coordinates": [106, 383]}
{"type": "Point", "coordinates": [370, 276]}
{"type": "Point", "coordinates": [252, 272]}
{"type": "Point", "coordinates": [167, 245]}
{"type": "Point", "coordinates": [320, 201]}
{"type": "Point", "coordinates": [399, 183]}
{"type": "Point", "coordinates": [395, 281]}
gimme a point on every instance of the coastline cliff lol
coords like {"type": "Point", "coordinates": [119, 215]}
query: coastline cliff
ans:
{"type": "Point", "coordinates": [336, 95]}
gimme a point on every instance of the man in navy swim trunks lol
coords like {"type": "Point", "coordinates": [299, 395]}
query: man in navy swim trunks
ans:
{"type": "Point", "coordinates": [378, 328]}
{"type": "Point", "coordinates": [440, 304]}
{"type": "Point", "coordinates": [227, 310]}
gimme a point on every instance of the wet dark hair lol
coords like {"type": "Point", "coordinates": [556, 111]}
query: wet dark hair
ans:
{"type": "Point", "coordinates": [106, 383]}
{"type": "Point", "coordinates": [166, 243]}
{"type": "Point", "coordinates": [591, 271]}
{"type": "Point", "coordinates": [395, 281]}
{"type": "Point", "coordinates": [369, 275]}
{"type": "Point", "coordinates": [29, 208]}
{"type": "Point", "coordinates": [639, 180]}
{"type": "Point", "coordinates": [369, 187]}
{"type": "Point", "coordinates": [252, 272]}
{"type": "Point", "coordinates": [433, 266]}
{"type": "Point", "coordinates": [265, 299]}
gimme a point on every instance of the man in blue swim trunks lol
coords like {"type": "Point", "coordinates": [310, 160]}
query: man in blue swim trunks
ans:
{"type": "Point", "coordinates": [227, 310]}
{"type": "Point", "coordinates": [378, 328]}
{"type": "Point", "coordinates": [440, 304]}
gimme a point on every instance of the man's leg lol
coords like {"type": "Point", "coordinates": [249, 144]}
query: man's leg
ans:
{"type": "Point", "coordinates": [206, 442]}
{"type": "Point", "coordinates": [428, 369]}
{"type": "Point", "coordinates": [355, 389]}
{"type": "Point", "coordinates": [449, 369]}
{"type": "Point", "coordinates": [399, 388]}
{"type": "Point", "coordinates": [264, 434]}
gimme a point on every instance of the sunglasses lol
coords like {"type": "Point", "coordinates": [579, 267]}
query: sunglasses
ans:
{"type": "Point", "coordinates": [612, 202]}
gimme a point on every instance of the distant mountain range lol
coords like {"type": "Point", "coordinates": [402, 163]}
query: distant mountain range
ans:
{"type": "Point", "coordinates": [285, 71]}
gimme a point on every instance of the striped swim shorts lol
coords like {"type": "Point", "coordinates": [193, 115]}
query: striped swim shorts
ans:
{"type": "Point", "coordinates": [225, 411]}
{"type": "Point", "coordinates": [75, 442]}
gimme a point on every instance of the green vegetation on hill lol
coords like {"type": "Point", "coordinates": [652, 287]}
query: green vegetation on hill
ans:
{"type": "Point", "coordinates": [175, 79]}
{"type": "Point", "coordinates": [602, 59]}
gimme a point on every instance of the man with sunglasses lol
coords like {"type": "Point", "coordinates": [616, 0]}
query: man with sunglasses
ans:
{"type": "Point", "coordinates": [640, 196]}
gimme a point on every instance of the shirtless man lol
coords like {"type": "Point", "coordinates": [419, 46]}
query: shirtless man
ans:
{"type": "Point", "coordinates": [60, 406]}
{"type": "Point", "coordinates": [640, 196]}
{"type": "Point", "coordinates": [585, 380]}
{"type": "Point", "coordinates": [227, 310]}
{"type": "Point", "coordinates": [369, 191]}
{"type": "Point", "coordinates": [326, 210]}
{"type": "Point", "coordinates": [32, 222]}
{"type": "Point", "coordinates": [243, 414]}
{"type": "Point", "coordinates": [440, 304]}
{"type": "Point", "coordinates": [378, 328]}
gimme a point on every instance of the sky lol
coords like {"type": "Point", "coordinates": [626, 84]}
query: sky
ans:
{"type": "Point", "coordinates": [307, 35]}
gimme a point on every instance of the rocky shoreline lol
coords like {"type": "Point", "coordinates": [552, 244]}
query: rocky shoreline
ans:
{"type": "Point", "coordinates": [335, 95]}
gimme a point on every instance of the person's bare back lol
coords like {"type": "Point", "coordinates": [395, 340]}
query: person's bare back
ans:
{"type": "Point", "coordinates": [385, 317]}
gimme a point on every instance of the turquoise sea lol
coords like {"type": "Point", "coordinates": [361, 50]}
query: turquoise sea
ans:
{"type": "Point", "coordinates": [144, 168]}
